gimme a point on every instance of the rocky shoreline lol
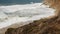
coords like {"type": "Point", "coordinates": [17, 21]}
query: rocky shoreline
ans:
{"type": "Point", "coordinates": [43, 26]}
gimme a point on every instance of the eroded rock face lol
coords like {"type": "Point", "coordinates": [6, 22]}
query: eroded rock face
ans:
{"type": "Point", "coordinates": [43, 26]}
{"type": "Point", "coordinates": [53, 4]}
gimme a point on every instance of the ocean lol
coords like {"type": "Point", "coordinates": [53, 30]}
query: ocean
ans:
{"type": "Point", "coordinates": [12, 2]}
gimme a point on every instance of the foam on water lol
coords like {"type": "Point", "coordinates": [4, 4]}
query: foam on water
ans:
{"type": "Point", "coordinates": [23, 13]}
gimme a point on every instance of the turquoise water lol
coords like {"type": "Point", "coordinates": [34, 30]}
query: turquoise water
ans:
{"type": "Point", "coordinates": [10, 2]}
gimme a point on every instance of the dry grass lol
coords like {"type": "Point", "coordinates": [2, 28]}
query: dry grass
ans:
{"type": "Point", "coordinates": [43, 26]}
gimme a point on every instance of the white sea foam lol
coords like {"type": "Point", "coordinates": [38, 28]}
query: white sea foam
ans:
{"type": "Point", "coordinates": [23, 13]}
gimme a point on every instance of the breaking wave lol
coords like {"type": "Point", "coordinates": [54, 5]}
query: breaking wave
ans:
{"type": "Point", "coordinates": [21, 13]}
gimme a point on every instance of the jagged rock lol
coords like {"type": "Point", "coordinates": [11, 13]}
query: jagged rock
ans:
{"type": "Point", "coordinates": [53, 4]}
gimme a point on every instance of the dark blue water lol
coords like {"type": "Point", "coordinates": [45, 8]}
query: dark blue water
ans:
{"type": "Point", "coordinates": [10, 2]}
